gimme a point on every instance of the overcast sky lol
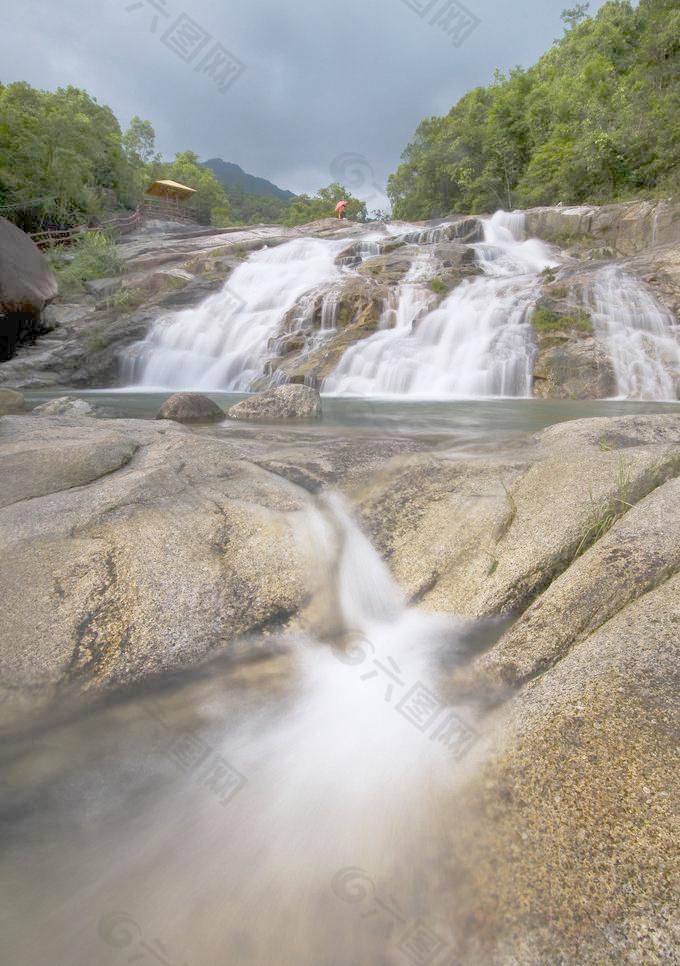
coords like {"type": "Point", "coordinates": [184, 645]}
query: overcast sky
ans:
{"type": "Point", "coordinates": [318, 90]}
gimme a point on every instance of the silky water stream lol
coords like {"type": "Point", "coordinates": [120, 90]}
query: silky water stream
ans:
{"type": "Point", "coordinates": [290, 810]}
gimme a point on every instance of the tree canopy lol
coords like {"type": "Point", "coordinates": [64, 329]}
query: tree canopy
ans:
{"type": "Point", "coordinates": [64, 160]}
{"type": "Point", "coordinates": [59, 149]}
{"type": "Point", "coordinates": [597, 119]}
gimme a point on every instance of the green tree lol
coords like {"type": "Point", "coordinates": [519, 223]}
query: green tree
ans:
{"type": "Point", "coordinates": [596, 119]}
{"type": "Point", "coordinates": [139, 142]}
{"type": "Point", "coordinates": [304, 208]}
{"type": "Point", "coordinates": [210, 201]}
{"type": "Point", "coordinates": [573, 16]}
{"type": "Point", "coordinates": [58, 151]}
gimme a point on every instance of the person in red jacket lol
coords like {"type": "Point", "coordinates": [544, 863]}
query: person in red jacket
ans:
{"type": "Point", "coordinates": [341, 209]}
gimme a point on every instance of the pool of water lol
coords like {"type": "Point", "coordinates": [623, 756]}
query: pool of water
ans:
{"type": "Point", "coordinates": [463, 421]}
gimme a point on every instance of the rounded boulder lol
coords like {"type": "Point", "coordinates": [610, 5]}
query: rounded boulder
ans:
{"type": "Point", "coordinates": [284, 402]}
{"type": "Point", "coordinates": [188, 407]}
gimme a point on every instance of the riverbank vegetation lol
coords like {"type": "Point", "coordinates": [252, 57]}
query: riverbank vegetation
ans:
{"type": "Point", "coordinates": [597, 119]}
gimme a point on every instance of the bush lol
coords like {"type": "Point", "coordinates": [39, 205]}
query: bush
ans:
{"type": "Point", "coordinates": [93, 256]}
{"type": "Point", "coordinates": [543, 320]}
{"type": "Point", "coordinates": [126, 298]}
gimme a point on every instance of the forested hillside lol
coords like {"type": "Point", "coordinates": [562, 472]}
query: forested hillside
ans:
{"type": "Point", "coordinates": [597, 119]}
{"type": "Point", "coordinates": [233, 175]}
{"type": "Point", "coordinates": [64, 160]}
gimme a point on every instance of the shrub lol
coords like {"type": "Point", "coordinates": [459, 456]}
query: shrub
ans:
{"type": "Point", "coordinates": [93, 256]}
{"type": "Point", "coordinates": [126, 298]}
{"type": "Point", "coordinates": [544, 320]}
{"type": "Point", "coordinates": [603, 517]}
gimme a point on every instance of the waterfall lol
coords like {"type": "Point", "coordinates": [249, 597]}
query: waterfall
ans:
{"type": "Point", "coordinates": [640, 336]}
{"type": "Point", "coordinates": [224, 343]}
{"type": "Point", "coordinates": [329, 311]}
{"type": "Point", "coordinates": [478, 342]}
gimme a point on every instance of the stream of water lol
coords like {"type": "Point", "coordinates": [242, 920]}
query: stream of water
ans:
{"type": "Point", "coordinates": [224, 343]}
{"type": "Point", "coordinates": [639, 334]}
{"type": "Point", "coordinates": [477, 343]}
{"type": "Point", "coordinates": [232, 821]}
{"type": "Point", "coordinates": [296, 810]}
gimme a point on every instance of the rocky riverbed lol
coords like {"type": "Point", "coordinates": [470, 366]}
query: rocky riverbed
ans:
{"type": "Point", "coordinates": [137, 550]}
{"type": "Point", "coordinates": [433, 646]}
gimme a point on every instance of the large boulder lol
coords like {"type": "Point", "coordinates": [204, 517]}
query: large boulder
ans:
{"type": "Point", "coordinates": [572, 366]}
{"type": "Point", "coordinates": [625, 228]}
{"type": "Point", "coordinates": [636, 555]}
{"type": "Point", "coordinates": [134, 548]}
{"type": "Point", "coordinates": [11, 401]}
{"type": "Point", "coordinates": [190, 407]}
{"type": "Point", "coordinates": [484, 537]}
{"type": "Point", "coordinates": [65, 406]}
{"type": "Point", "coordinates": [563, 838]}
{"type": "Point", "coordinates": [27, 284]}
{"type": "Point", "coordinates": [284, 402]}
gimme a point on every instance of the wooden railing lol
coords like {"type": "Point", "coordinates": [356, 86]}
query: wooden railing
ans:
{"type": "Point", "coordinates": [161, 208]}
{"type": "Point", "coordinates": [170, 210]}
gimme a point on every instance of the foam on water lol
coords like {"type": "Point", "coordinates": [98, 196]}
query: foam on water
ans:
{"type": "Point", "coordinates": [223, 344]}
{"type": "Point", "coordinates": [478, 342]}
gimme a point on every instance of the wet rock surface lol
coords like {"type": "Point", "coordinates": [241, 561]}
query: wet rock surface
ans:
{"type": "Point", "coordinates": [484, 537]}
{"type": "Point", "coordinates": [284, 402]}
{"type": "Point", "coordinates": [569, 813]}
{"type": "Point", "coordinates": [65, 406]}
{"type": "Point", "coordinates": [624, 228]}
{"type": "Point", "coordinates": [190, 407]}
{"type": "Point", "coordinates": [131, 548]}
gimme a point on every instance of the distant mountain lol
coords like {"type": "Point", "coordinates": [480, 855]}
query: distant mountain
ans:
{"type": "Point", "coordinates": [231, 175]}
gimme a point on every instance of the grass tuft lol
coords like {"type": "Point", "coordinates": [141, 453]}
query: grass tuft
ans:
{"type": "Point", "coordinates": [604, 516]}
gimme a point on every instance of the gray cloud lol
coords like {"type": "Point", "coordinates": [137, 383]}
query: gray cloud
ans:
{"type": "Point", "coordinates": [323, 78]}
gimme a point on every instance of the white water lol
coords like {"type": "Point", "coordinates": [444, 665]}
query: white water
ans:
{"type": "Point", "coordinates": [641, 337]}
{"type": "Point", "coordinates": [223, 344]}
{"type": "Point", "coordinates": [478, 342]}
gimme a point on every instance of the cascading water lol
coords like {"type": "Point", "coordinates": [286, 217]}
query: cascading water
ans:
{"type": "Point", "coordinates": [329, 311]}
{"type": "Point", "coordinates": [478, 342]}
{"type": "Point", "coordinates": [224, 343]}
{"type": "Point", "coordinates": [641, 337]}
